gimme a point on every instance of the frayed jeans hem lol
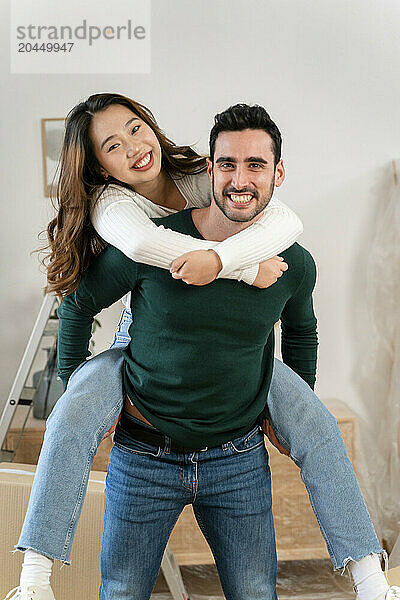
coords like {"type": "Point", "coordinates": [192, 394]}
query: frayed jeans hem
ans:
{"type": "Point", "coordinates": [23, 549]}
{"type": "Point", "coordinates": [349, 559]}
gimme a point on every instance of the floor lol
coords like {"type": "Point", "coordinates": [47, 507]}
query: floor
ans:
{"type": "Point", "coordinates": [297, 580]}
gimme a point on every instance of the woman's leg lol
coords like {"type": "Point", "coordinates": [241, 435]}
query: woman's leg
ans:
{"type": "Point", "coordinates": [74, 430]}
{"type": "Point", "coordinates": [88, 408]}
{"type": "Point", "coordinates": [304, 425]}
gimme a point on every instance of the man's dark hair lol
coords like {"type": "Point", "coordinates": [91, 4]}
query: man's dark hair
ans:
{"type": "Point", "coordinates": [243, 116]}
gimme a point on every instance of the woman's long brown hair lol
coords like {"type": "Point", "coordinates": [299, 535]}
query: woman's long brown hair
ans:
{"type": "Point", "coordinates": [72, 240]}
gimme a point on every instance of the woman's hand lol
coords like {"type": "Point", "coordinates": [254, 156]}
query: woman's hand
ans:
{"type": "Point", "coordinates": [199, 267]}
{"type": "Point", "coordinates": [270, 433]}
{"type": "Point", "coordinates": [112, 429]}
{"type": "Point", "coordinates": [269, 271]}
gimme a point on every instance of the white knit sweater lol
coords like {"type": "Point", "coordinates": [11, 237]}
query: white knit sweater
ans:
{"type": "Point", "coordinates": [122, 218]}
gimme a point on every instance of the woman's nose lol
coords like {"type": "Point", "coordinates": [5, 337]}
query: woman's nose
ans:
{"type": "Point", "coordinates": [131, 151]}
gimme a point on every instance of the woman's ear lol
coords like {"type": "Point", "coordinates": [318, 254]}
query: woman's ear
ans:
{"type": "Point", "coordinates": [104, 173]}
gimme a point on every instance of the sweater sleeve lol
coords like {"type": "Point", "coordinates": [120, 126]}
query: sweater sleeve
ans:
{"type": "Point", "coordinates": [121, 220]}
{"type": "Point", "coordinates": [110, 276]}
{"type": "Point", "coordinates": [299, 326]}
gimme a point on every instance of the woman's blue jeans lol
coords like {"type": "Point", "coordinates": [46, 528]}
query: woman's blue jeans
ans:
{"type": "Point", "coordinates": [147, 488]}
{"type": "Point", "coordinates": [92, 403]}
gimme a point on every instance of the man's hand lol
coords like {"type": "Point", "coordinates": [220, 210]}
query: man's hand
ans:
{"type": "Point", "coordinates": [270, 433]}
{"type": "Point", "coordinates": [112, 429]}
{"type": "Point", "coordinates": [269, 271]}
{"type": "Point", "coordinates": [199, 267]}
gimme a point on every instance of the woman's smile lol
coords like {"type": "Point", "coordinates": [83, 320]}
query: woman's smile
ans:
{"type": "Point", "coordinates": [144, 163]}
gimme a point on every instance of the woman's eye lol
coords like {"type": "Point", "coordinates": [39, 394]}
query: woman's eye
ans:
{"type": "Point", "coordinates": [134, 130]}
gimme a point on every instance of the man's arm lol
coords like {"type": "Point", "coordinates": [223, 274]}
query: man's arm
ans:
{"type": "Point", "coordinates": [110, 276]}
{"type": "Point", "coordinates": [299, 326]}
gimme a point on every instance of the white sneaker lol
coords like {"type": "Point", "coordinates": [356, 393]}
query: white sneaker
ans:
{"type": "Point", "coordinates": [393, 593]}
{"type": "Point", "coordinates": [32, 592]}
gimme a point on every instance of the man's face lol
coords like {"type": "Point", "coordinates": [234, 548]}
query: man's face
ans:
{"type": "Point", "coordinates": [243, 175]}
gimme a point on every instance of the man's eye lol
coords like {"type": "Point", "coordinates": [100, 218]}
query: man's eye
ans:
{"type": "Point", "coordinates": [226, 165]}
{"type": "Point", "coordinates": [134, 129]}
{"type": "Point", "coordinates": [255, 165]}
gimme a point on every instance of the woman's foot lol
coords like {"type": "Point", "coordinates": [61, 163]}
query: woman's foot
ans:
{"type": "Point", "coordinates": [370, 581]}
{"type": "Point", "coordinates": [393, 593]}
{"type": "Point", "coordinates": [31, 592]}
{"type": "Point", "coordinates": [36, 569]}
{"type": "Point", "coordinates": [35, 578]}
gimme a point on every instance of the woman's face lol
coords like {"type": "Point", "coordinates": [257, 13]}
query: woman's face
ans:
{"type": "Point", "coordinates": [125, 146]}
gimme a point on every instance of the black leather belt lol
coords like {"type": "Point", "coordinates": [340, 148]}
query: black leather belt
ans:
{"type": "Point", "coordinates": [151, 436]}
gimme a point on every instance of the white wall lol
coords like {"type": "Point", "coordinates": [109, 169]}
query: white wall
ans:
{"type": "Point", "coordinates": [328, 73]}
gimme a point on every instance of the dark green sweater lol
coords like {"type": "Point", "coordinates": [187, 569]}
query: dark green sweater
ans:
{"type": "Point", "coordinates": [200, 361]}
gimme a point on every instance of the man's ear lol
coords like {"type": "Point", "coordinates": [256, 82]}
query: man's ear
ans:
{"type": "Point", "coordinates": [209, 168]}
{"type": "Point", "coordinates": [279, 173]}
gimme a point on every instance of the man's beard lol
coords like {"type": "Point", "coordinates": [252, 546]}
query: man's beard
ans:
{"type": "Point", "coordinates": [221, 200]}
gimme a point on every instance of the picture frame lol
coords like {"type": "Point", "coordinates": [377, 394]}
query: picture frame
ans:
{"type": "Point", "coordinates": [52, 138]}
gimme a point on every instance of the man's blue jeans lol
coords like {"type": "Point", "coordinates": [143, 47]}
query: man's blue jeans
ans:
{"type": "Point", "coordinates": [93, 401]}
{"type": "Point", "coordinates": [147, 488]}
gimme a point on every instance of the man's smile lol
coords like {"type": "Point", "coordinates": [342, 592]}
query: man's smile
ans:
{"type": "Point", "coordinates": [241, 200]}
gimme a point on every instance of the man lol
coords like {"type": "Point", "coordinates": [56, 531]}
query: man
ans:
{"type": "Point", "coordinates": [197, 375]}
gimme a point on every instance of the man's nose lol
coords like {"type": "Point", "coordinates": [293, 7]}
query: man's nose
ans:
{"type": "Point", "coordinates": [240, 178]}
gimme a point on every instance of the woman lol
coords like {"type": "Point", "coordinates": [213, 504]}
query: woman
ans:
{"type": "Point", "coordinates": [115, 154]}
